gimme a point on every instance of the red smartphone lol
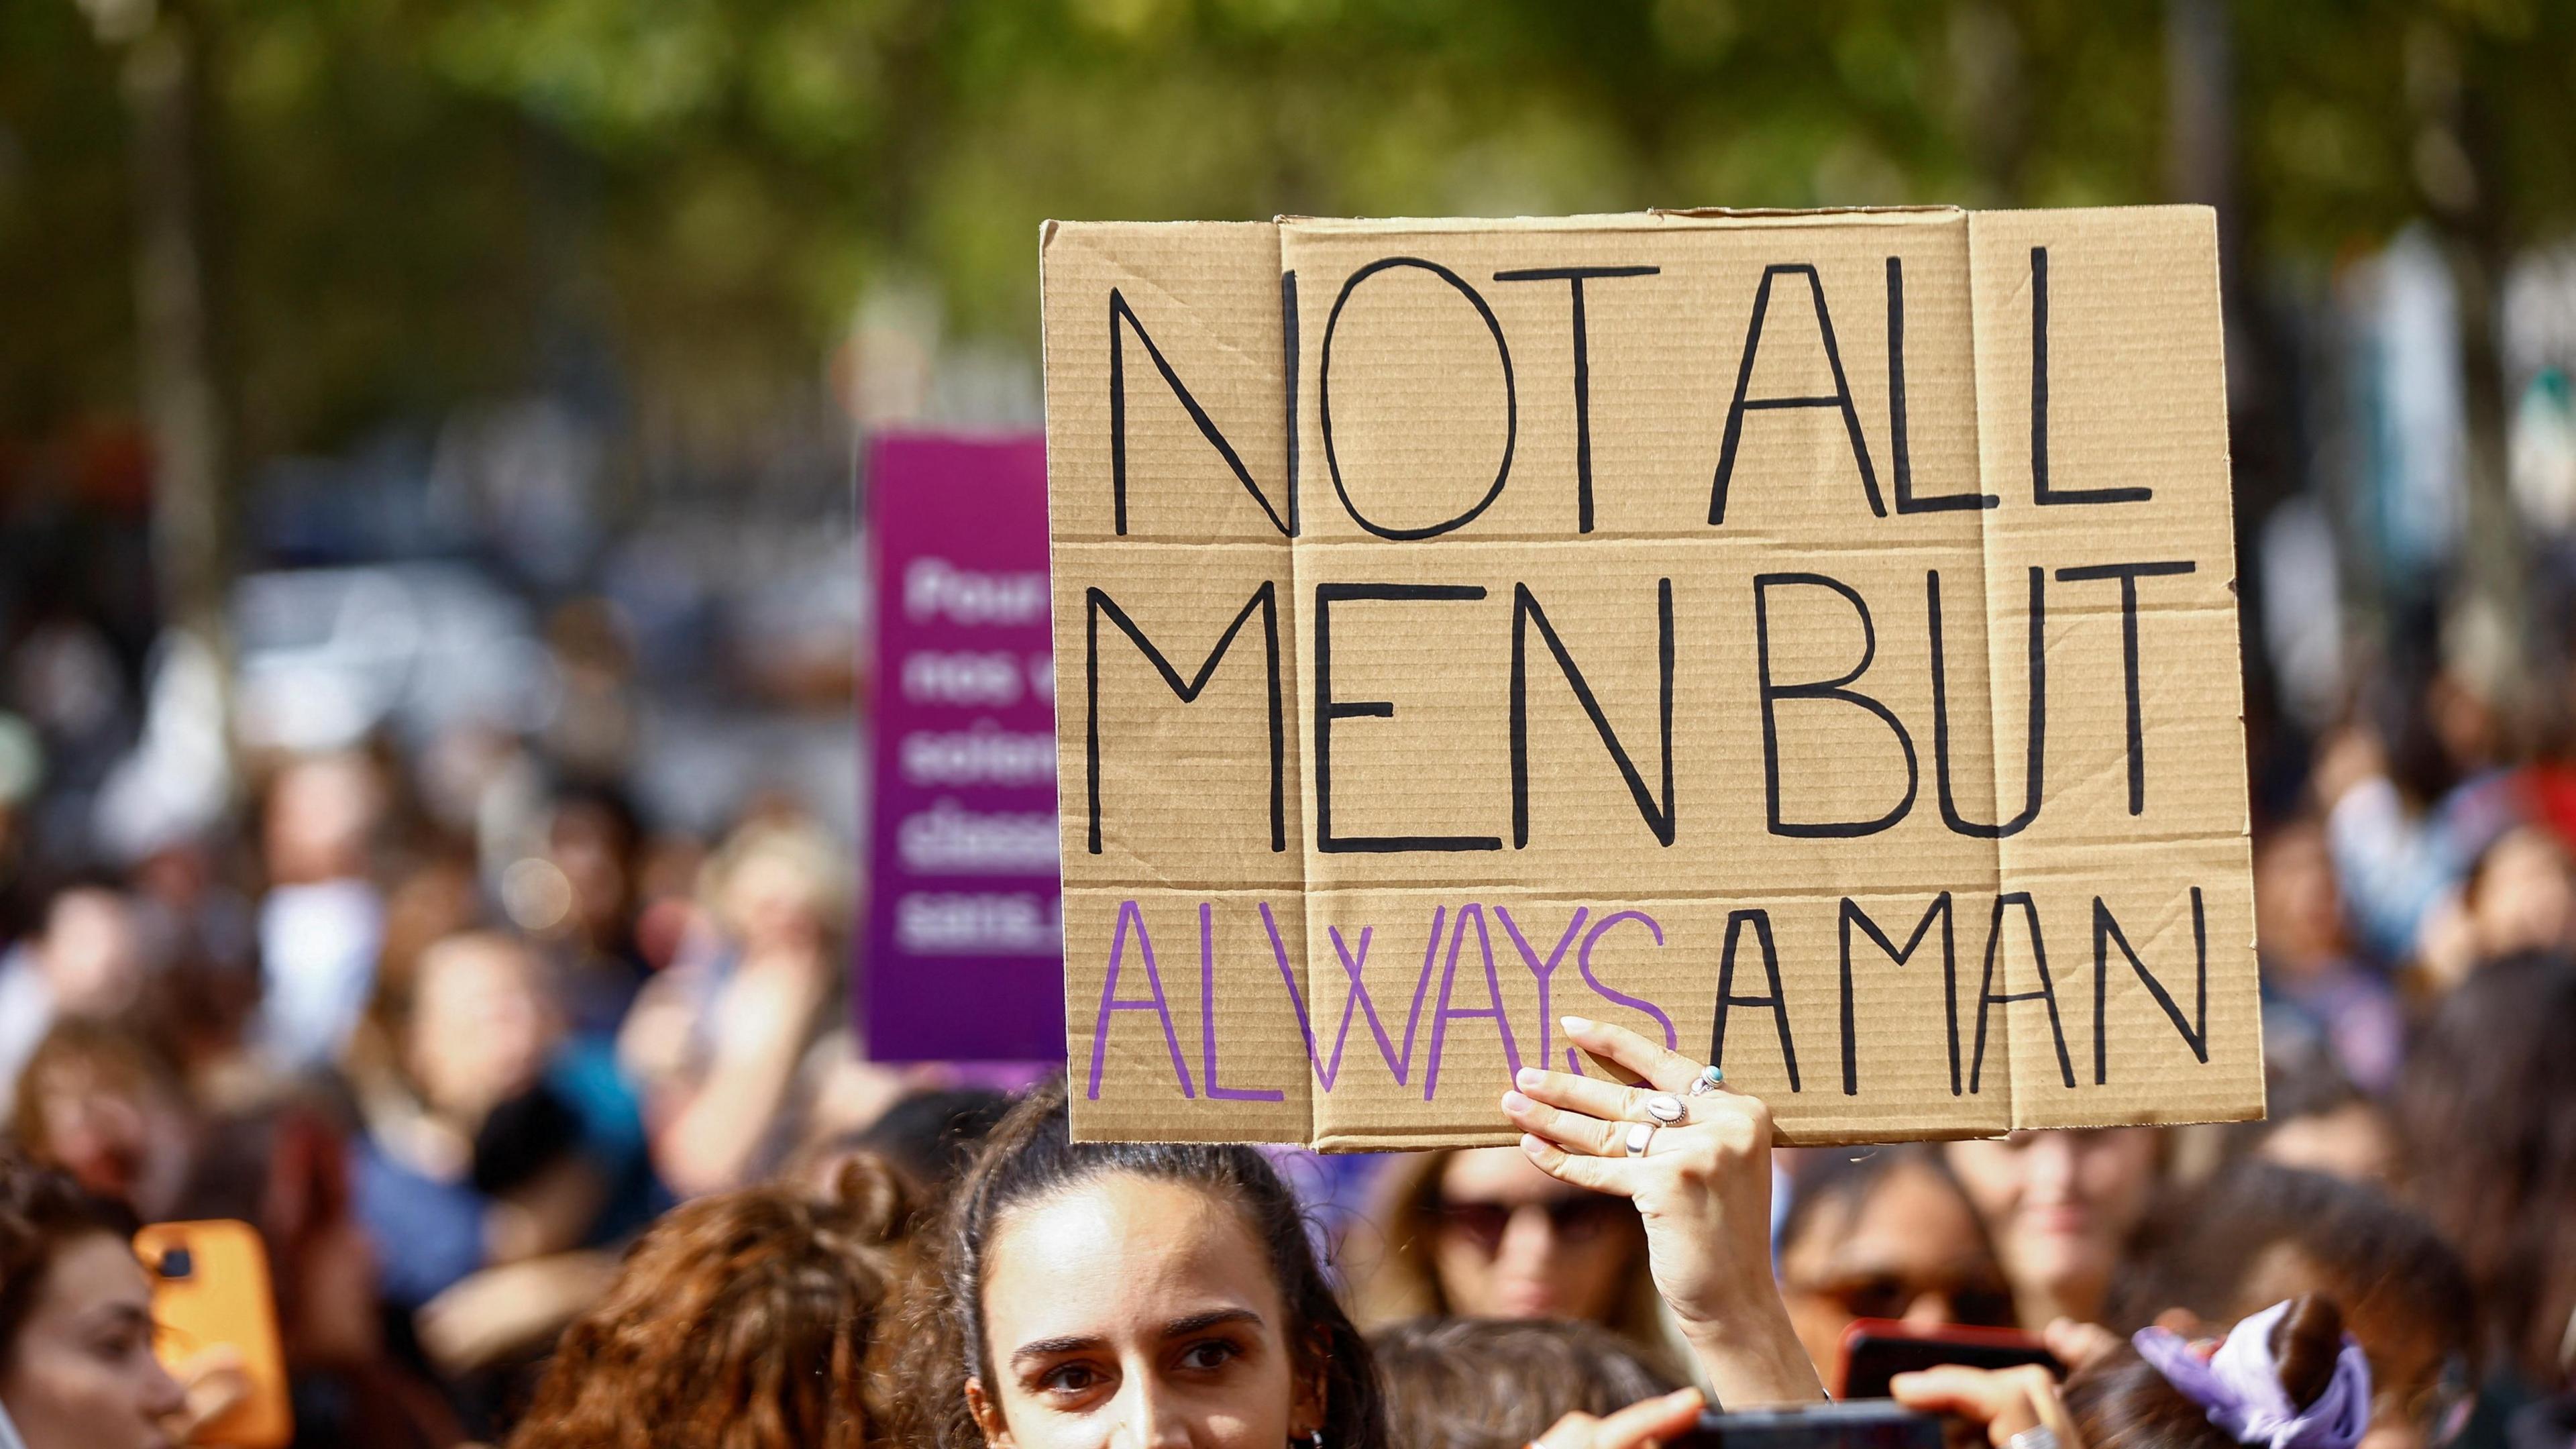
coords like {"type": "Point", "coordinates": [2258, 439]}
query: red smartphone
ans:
{"type": "Point", "coordinates": [1876, 1350]}
{"type": "Point", "coordinates": [210, 1289]}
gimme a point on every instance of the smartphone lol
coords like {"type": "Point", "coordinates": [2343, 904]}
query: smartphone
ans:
{"type": "Point", "coordinates": [210, 1286]}
{"type": "Point", "coordinates": [1876, 1350]}
{"type": "Point", "coordinates": [1853, 1424]}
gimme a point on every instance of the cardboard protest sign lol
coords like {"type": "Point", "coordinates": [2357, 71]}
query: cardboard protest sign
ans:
{"type": "Point", "coordinates": [962, 858]}
{"type": "Point", "coordinates": [1807, 639]}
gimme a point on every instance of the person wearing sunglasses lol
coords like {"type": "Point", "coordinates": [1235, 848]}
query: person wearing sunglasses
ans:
{"type": "Point", "coordinates": [1483, 1233]}
{"type": "Point", "coordinates": [1886, 1234]}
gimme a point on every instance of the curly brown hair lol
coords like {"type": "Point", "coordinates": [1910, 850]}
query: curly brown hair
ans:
{"type": "Point", "coordinates": [746, 1320]}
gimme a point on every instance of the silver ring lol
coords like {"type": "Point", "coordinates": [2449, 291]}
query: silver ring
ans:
{"type": "Point", "coordinates": [2038, 1437]}
{"type": "Point", "coordinates": [1640, 1136]}
{"type": "Point", "coordinates": [1707, 1081]}
{"type": "Point", "coordinates": [1666, 1110]}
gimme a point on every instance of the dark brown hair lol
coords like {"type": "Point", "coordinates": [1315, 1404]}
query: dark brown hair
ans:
{"type": "Point", "coordinates": [2121, 1401]}
{"type": "Point", "coordinates": [1031, 1156]}
{"type": "Point", "coordinates": [1478, 1383]}
{"type": "Point", "coordinates": [41, 1210]}
{"type": "Point", "coordinates": [2488, 1113]}
{"type": "Point", "coordinates": [746, 1320]}
{"type": "Point", "coordinates": [2402, 1290]}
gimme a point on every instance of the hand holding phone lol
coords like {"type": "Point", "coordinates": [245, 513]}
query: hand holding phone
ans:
{"type": "Point", "coordinates": [217, 1321]}
{"type": "Point", "coordinates": [2006, 1403]}
{"type": "Point", "coordinates": [1853, 1424]}
{"type": "Point", "coordinates": [1647, 1422]}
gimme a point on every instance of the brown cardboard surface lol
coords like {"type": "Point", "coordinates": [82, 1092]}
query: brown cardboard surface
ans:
{"type": "Point", "coordinates": [1499, 557]}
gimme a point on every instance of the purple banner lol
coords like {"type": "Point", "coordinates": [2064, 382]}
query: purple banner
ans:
{"type": "Point", "coordinates": [964, 958]}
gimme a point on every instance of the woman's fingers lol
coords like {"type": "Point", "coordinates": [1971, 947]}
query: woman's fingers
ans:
{"type": "Point", "coordinates": [1651, 1421]}
{"type": "Point", "coordinates": [1646, 1422]}
{"type": "Point", "coordinates": [1590, 1096]}
{"type": "Point", "coordinates": [2006, 1401]}
{"type": "Point", "coordinates": [1665, 1069]}
{"type": "Point", "coordinates": [1566, 1129]}
{"type": "Point", "coordinates": [1601, 1174]}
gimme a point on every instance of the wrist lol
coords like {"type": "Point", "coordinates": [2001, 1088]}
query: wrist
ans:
{"type": "Point", "coordinates": [1752, 1355]}
{"type": "Point", "coordinates": [1750, 1311]}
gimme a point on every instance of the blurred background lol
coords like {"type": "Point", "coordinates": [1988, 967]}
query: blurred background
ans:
{"type": "Point", "coordinates": [430, 495]}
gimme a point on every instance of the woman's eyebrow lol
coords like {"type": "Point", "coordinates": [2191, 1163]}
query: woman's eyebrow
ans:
{"type": "Point", "coordinates": [1213, 1318]}
{"type": "Point", "coordinates": [1050, 1347]}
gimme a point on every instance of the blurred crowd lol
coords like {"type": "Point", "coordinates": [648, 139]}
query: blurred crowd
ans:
{"type": "Point", "coordinates": [502, 1064]}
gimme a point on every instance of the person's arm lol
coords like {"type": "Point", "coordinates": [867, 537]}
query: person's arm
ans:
{"type": "Point", "coordinates": [1704, 1191]}
{"type": "Point", "coordinates": [549, 1213]}
{"type": "Point", "coordinates": [708, 1143]}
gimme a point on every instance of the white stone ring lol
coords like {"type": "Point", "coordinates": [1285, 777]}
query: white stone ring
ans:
{"type": "Point", "coordinates": [1666, 1110]}
{"type": "Point", "coordinates": [1640, 1136]}
{"type": "Point", "coordinates": [1708, 1080]}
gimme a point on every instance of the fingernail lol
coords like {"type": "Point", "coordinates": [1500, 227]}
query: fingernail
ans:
{"type": "Point", "coordinates": [1528, 1076]}
{"type": "Point", "coordinates": [1530, 1144]}
{"type": "Point", "coordinates": [1575, 1023]}
{"type": "Point", "coordinates": [1514, 1101]}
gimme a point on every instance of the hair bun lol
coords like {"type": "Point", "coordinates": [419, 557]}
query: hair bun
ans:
{"type": "Point", "coordinates": [2306, 1343]}
{"type": "Point", "coordinates": [873, 1196]}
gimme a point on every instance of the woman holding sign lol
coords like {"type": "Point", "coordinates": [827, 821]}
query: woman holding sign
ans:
{"type": "Point", "coordinates": [1156, 1295]}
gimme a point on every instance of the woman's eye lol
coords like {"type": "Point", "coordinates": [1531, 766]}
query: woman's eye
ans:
{"type": "Point", "coordinates": [1209, 1355]}
{"type": "Point", "coordinates": [1072, 1378]}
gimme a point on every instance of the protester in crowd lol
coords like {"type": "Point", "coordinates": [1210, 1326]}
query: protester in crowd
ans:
{"type": "Point", "coordinates": [2285, 1378]}
{"type": "Point", "coordinates": [2488, 1115]}
{"type": "Point", "coordinates": [100, 1103]}
{"type": "Point", "coordinates": [2259, 1233]}
{"type": "Point", "coordinates": [89, 964]}
{"type": "Point", "coordinates": [2321, 1001]}
{"type": "Point", "coordinates": [1161, 1291]}
{"type": "Point", "coordinates": [1886, 1234]}
{"type": "Point", "coordinates": [2520, 895]}
{"type": "Point", "coordinates": [323, 918]}
{"type": "Point", "coordinates": [2060, 1207]}
{"type": "Point", "coordinates": [730, 1042]}
{"type": "Point", "coordinates": [756, 1319]}
{"type": "Point", "coordinates": [76, 1364]}
{"type": "Point", "coordinates": [1152, 1290]}
{"type": "Point", "coordinates": [2318, 1120]}
{"type": "Point", "coordinates": [492, 1138]}
{"type": "Point", "coordinates": [1483, 1233]}
{"type": "Point", "coordinates": [1482, 1383]}
{"type": "Point", "coordinates": [592, 838]}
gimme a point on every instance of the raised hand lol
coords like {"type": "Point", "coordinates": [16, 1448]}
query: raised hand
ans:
{"type": "Point", "coordinates": [1696, 1159]}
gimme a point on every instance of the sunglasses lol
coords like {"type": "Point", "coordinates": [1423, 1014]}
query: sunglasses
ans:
{"type": "Point", "coordinates": [1977, 1303]}
{"type": "Point", "coordinates": [1570, 1220]}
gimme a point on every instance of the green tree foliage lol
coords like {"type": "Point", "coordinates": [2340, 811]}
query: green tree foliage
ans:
{"type": "Point", "coordinates": [421, 201]}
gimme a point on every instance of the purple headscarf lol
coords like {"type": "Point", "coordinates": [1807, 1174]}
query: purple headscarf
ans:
{"type": "Point", "coordinates": [2240, 1386]}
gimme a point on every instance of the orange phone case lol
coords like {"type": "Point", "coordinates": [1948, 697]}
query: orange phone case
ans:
{"type": "Point", "coordinates": [223, 1298]}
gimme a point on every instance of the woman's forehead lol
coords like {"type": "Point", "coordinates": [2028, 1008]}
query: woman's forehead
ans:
{"type": "Point", "coordinates": [1120, 1254]}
